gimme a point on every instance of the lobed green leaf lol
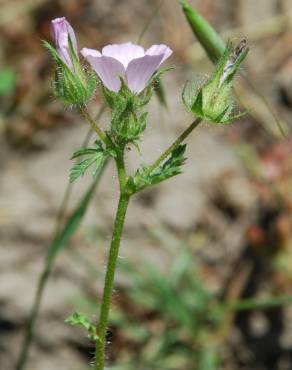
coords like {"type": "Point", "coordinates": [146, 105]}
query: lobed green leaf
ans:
{"type": "Point", "coordinates": [171, 167]}
{"type": "Point", "coordinates": [79, 319]}
{"type": "Point", "coordinates": [95, 159]}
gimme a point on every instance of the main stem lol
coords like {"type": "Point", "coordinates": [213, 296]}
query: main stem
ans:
{"type": "Point", "coordinates": [111, 265]}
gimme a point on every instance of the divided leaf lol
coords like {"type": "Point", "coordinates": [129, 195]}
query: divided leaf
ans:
{"type": "Point", "coordinates": [79, 319]}
{"type": "Point", "coordinates": [95, 159]}
{"type": "Point", "coordinates": [171, 167]}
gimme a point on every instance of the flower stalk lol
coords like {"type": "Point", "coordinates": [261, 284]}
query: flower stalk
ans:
{"type": "Point", "coordinates": [175, 144]}
{"type": "Point", "coordinates": [93, 124]}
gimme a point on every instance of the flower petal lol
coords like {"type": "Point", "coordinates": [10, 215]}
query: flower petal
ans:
{"type": "Point", "coordinates": [61, 30]}
{"type": "Point", "coordinates": [108, 69]}
{"type": "Point", "coordinates": [72, 37]}
{"type": "Point", "coordinates": [159, 49]}
{"type": "Point", "coordinates": [90, 53]}
{"type": "Point", "coordinates": [140, 70]}
{"type": "Point", "coordinates": [124, 53]}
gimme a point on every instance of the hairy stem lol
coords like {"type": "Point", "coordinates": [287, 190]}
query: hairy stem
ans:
{"type": "Point", "coordinates": [112, 261]}
{"type": "Point", "coordinates": [121, 168]}
{"type": "Point", "coordinates": [109, 280]}
{"type": "Point", "coordinates": [174, 145]}
{"type": "Point", "coordinates": [93, 124]}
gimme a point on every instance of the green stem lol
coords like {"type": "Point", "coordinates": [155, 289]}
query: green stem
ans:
{"type": "Point", "coordinates": [121, 168]}
{"type": "Point", "coordinates": [93, 124]}
{"type": "Point", "coordinates": [109, 280]}
{"type": "Point", "coordinates": [112, 260]}
{"type": "Point", "coordinates": [174, 145]}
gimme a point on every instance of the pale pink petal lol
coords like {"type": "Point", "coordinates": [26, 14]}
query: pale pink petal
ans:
{"type": "Point", "coordinates": [72, 37]}
{"type": "Point", "coordinates": [108, 69]}
{"type": "Point", "coordinates": [61, 30]}
{"type": "Point", "coordinates": [124, 53]}
{"type": "Point", "coordinates": [90, 52]}
{"type": "Point", "coordinates": [159, 49]}
{"type": "Point", "coordinates": [140, 70]}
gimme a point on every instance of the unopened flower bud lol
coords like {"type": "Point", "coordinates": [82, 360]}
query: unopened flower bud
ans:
{"type": "Point", "coordinates": [61, 31]}
{"type": "Point", "coordinates": [73, 84]}
{"type": "Point", "coordinates": [213, 101]}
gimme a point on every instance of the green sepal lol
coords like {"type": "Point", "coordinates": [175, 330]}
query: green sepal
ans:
{"type": "Point", "coordinates": [128, 119]}
{"type": "Point", "coordinates": [127, 122]}
{"type": "Point", "coordinates": [79, 319]}
{"type": "Point", "coordinates": [198, 104]}
{"type": "Point", "coordinates": [189, 93]}
{"type": "Point", "coordinates": [74, 57]}
{"type": "Point", "coordinates": [160, 92]}
{"type": "Point", "coordinates": [154, 84]}
{"type": "Point", "coordinates": [74, 87]}
{"type": "Point", "coordinates": [159, 73]}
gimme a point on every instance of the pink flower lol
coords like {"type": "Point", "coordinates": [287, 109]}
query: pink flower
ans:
{"type": "Point", "coordinates": [129, 61]}
{"type": "Point", "coordinates": [61, 30]}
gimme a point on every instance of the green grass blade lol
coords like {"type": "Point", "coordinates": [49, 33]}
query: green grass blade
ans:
{"type": "Point", "coordinates": [62, 239]}
{"type": "Point", "coordinates": [148, 22]}
{"type": "Point", "coordinates": [260, 304]}
{"type": "Point", "coordinates": [59, 243]}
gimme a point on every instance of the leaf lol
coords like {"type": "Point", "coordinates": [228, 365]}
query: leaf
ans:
{"type": "Point", "coordinates": [83, 151]}
{"type": "Point", "coordinates": [80, 168]}
{"type": "Point", "coordinates": [71, 226]}
{"type": "Point", "coordinates": [96, 158]}
{"type": "Point", "coordinates": [171, 167]}
{"type": "Point", "coordinates": [79, 319]}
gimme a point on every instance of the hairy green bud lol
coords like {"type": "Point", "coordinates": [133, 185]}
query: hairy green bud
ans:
{"type": "Point", "coordinates": [213, 101]}
{"type": "Point", "coordinates": [74, 86]}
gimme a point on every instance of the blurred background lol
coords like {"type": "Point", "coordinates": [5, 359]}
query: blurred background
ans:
{"type": "Point", "coordinates": [204, 280]}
